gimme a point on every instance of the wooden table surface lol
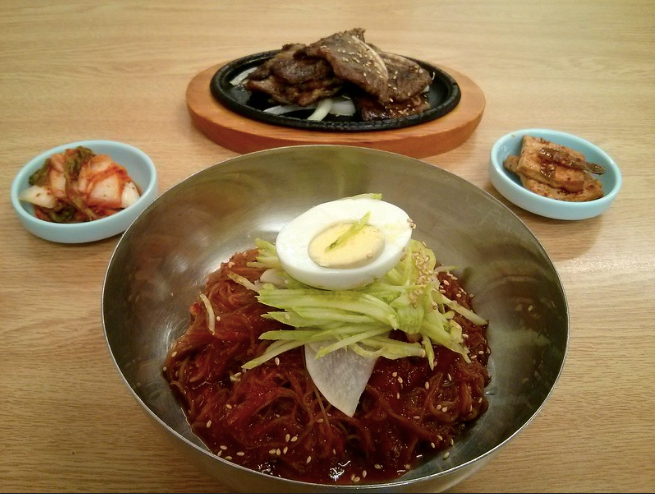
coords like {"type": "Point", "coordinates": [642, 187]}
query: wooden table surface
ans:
{"type": "Point", "coordinates": [74, 70]}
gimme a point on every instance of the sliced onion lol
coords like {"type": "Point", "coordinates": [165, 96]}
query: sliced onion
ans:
{"type": "Point", "coordinates": [322, 109]}
{"type": "Point", "coordinates": [239, 78]}
{"type": "Point", "coordinates": [282, 109]}
{"type": "Point", "coordinates": [338, 106]}
{"type": "Point", "coordinates": [344, 107]}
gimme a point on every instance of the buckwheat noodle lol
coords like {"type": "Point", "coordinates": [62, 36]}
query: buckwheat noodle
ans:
{"type": "Point", "coordinates": [273, 419]}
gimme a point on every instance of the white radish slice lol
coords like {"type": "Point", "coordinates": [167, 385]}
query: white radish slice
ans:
{"type": "Point", "coordinates": [341, 376]}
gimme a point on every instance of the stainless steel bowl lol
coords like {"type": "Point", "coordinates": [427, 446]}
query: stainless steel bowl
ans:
{"type": "Point", "coordinates": [161, 262]}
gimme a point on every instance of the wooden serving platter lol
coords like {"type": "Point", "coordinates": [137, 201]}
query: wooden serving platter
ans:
{"type": "Point", "coordinates": [245, 135]}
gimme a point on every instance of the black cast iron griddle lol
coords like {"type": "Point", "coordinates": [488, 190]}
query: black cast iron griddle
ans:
{"type": "Point", "coordinates": [443, 94]}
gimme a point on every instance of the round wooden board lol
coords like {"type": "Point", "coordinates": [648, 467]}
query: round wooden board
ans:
{"type": "Point", "coordinates": [245, 135]}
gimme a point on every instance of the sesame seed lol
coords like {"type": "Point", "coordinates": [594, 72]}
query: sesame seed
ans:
{"type": "Point", "coordinates": [219, 453]}
{"type": "Point", "coordinates": [446, 455]}
{"type": "Point", "coordinates": [278, 451]}
{"type": "Point", "coordinates": [439, 437]}
{"type": "Point", "coordinates": [397, 396]}
{"type": "Point", "coordinates": [271, 451]}
{"type": "Point", "coordinates": [164, 369]}
{"type": "Point", "coordinates": [223, 447]}
{"type": "Point", "coordinates": [400, 380]}
{"type": "Point", "coordinates": [444, 409]}
{"type": "Point", "coordinates": [395, 374]}
{"type": "Point", "coordinates": [240, 453]}
{"type": "Point", "coordinates": [364, 474]}
{"type": "Point", "coordinates": [218, 318]}
{"type": "Point", "coordinates": [208, 424]}
{"type": "Point", "coordinates": [228, 406]}
{"type": "Point", "coordinates": [228, 458]}
{"type": "Point", "coordinates": [319, 421]}
{"type": "Point", "coordinates": [294, 439]}
{"type": "Point", "coordinates": [309, 459]}
{"type": "Point", "coordinates": [433, 445]}
{"type": "Point", "coordinates": [277, 361]}
{"type": "Point", "coordinates": [174, 353]}
{"type": "Point", "coordinates": [284, 451]}
{"type": "Point", "coordinates": [427, 385]}
{"type": "Point", "coordinates": [377, 466]}
{"type": "Point", "coordinates": [438, 407]}
{"type": "Point", "coordinates": [287, 438]}
{"type": "Point", "coordinates": [407, 466]}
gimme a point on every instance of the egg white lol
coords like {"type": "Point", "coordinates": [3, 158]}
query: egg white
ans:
{"type": "Point", "coordinates": [293, 242]}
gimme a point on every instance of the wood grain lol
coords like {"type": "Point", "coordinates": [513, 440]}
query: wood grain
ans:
{"type": "Point", "coordinates": [73, 70]}
{"type": "Point", "coordinates": [245, 135]}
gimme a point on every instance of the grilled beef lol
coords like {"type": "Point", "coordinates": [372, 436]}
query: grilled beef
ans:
{"type": "Point", "coordinates": [353, 60]}
{"type": "Point", "coordinates": [371, 109]}
{"type": "Point", "coordinates": [406, 77]}
{"type": "Point", "coordinates": [289, 79]}
{"type": "Point", "coordinates": [383, 85]}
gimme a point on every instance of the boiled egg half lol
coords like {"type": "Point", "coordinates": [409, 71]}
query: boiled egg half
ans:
{"type": "Point", "coordinates": [344, 244]}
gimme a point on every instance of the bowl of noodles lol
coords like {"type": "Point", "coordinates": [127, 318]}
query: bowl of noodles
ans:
{"type": "Point", "coordinates": [408, 380]}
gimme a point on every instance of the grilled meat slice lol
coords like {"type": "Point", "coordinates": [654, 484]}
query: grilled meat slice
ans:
{"type": "Point", "coordinates": [406, 77]}
{"type": "Point", "coordinates": [385, 85]}
{"type": "Point", "coordinates": [286, 53]}
{"type": "Point", "coordinates": [294, 80]}
{"type": "Point", "coordinates": [371, 109]}
{"type": "Point", "coordinates": [353, 60]}
{"type": "Point", "coordinates": [299, 70]}
{"type": "Point", "coordinates": [298, 94]}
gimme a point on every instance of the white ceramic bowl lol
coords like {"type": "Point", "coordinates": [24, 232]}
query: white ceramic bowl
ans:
{"type": "Point", "coordinates": [138, 165]}
{"type": "Point", "coordinates": [509, 184]}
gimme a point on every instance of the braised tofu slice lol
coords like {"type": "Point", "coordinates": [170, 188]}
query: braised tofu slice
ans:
{"type": "Point", "coordinates": [534, 165]}
{"type": "Point", "coordinates": [512, 163]}
{"type": "Point", "coordinates": [591, 190]}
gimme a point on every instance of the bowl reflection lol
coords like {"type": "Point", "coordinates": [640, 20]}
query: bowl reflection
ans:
{"type": "Point", "coordinates": [161, 262]}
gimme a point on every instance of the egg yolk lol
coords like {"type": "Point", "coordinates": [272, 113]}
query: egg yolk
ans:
{"type": "Point", "coordinates": [357, 250]}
